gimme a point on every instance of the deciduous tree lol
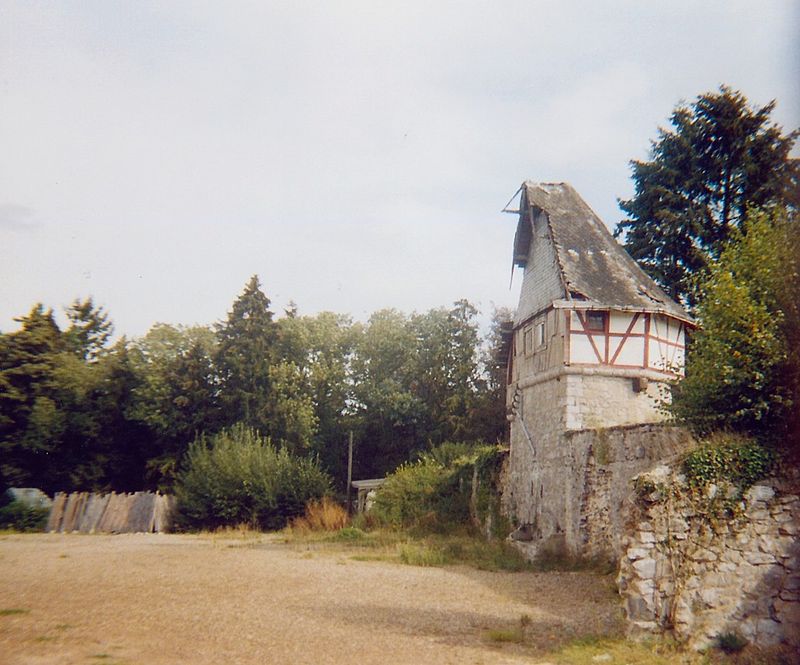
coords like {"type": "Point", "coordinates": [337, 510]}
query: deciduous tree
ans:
{"type": "Point", "coordinates": [743, 369]}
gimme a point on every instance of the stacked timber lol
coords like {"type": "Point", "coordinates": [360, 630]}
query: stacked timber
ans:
{"type": "Point", "coordinates": [140, 512]}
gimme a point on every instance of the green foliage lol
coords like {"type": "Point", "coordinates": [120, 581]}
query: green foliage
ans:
{"type": "Point", "coordinates": [743, 368]}
{"type": "Point", "coordinates": [245, 353]}
{"type": "Point", "coordinates": [79, 414]}
{"type": "Point", "coordinates": [89, 331]}
{"type": "Point", "coordinates": [727, 458]}
{"type": "Point", "coordinates": [455, 486]}
{"type": "Point", "coordinates": [238, 477]}
{"type": "Point", "coordinates": [19, 516]}
{"type": "Point", "coordinates": [720, 158]}
{"type": "Point", "coordinates": [731, 642]}
{"type": "Point", "coordinates": [411, 496]}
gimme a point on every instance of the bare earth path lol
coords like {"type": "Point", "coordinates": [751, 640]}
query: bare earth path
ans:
{"type": "Point", "coordinates": [159, 599]}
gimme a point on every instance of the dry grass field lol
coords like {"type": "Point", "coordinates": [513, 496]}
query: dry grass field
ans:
{"type": "Point", "coordinates": [159, 599]}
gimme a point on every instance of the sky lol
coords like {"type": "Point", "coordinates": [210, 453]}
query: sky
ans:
{"type": "Point", "coordinates": [354, 155]}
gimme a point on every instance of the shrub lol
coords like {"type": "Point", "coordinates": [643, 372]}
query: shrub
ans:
{"type": "Point", "coordinates": [411, 496]}
{"type": "Point", "coordinates": [727, 458]}
{"type": "Point", "coordinates": [22, 517]}
{"type": "Point", "coordinates": [238, 477]}
{"type": "Point", "coordinates": [322, 515]}
{"type": "Point", "coordinates": [452, 486]}
{"type": "Point", "coordinates": [731, 642]}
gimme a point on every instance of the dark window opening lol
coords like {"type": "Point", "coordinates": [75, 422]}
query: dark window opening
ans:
{"type": "Point", "coordinates": [596, 321]}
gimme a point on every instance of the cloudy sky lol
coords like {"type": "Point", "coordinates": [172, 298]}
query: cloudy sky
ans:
{"type": "Point", "coordinates": [355, 155]}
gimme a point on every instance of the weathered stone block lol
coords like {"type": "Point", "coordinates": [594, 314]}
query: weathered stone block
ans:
{"type": "Point", "coordinates": [718, 580]}
{"type": "Point", "coordinates": [759, 493]}
{"type": "Point", "coordinates": [759, 558]}
{"type": "Point", "coordinates": [646, 568]}
{"type": "Point", "coordinates": [638, 609]}
{"type": "Point", "coordinates": [644, 587]}
{"type": "Point", "coordinates": [763, 527]}
{"type": "Point", "coordinates": [781, 515]}
{"type": "Point", "coordinates": [703, 554]}
{"type": "Point", "coordinates": [769, 632]}
{"type": "Point", "coordinates": [757, 511]}
{"type": "Point", "coordinates": [635, 553]}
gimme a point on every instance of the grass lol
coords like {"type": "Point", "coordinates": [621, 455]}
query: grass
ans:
{"type": "Point", "coordinates": [322, 515]}
{"type": "Point", "coordinates": [415, 549]}
{"type": "Point", "coordinates": [11, 611]}
{"type": "Point", "coordinates": [515, 635]}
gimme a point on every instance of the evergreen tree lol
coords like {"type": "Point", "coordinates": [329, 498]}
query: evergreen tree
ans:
{"type": "Point", "coordinates": [720, 158]}
{"type": "Point", "coordinates": [89, 330]}
{"type": "Point", "coordinates": [245, 353]}
{"type": "Point", "coordinates": [31, 423]}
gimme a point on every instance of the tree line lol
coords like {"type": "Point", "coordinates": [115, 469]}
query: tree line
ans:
{"type": "Point", "coordinates": [80, 412]}
{"type": "Point", "coordinates": [713, 219]}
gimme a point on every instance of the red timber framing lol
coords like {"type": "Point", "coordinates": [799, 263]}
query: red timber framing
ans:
{"type": "Point", "coordinates": [641, 340]}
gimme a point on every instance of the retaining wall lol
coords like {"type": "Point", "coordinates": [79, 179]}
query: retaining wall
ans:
{"type": "Point", "coordinates": [698, 577]}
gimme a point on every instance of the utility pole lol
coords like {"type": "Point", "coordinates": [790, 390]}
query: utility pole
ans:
{"type": "Point", "coordinates": [349, 470]}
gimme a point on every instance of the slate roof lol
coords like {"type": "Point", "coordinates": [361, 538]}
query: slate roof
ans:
{"type": "Point", "coordinates": [593, 265]}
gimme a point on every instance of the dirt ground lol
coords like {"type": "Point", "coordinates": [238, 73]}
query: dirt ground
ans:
{"type": "Point", "coordinates": [159, 599]}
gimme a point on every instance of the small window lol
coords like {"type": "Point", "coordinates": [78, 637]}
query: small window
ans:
{"type": "Point", "coordinates": [528, 340]}
{"type": "Point", "coordinates": [540, 334]}
{"type": "Point", "coordinates": [596, 321]}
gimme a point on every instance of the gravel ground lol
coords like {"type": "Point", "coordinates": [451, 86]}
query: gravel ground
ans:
{"type": "Point", "coordinates": [165, 599]}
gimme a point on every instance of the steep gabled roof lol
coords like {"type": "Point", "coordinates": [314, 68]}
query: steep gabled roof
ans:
{"type": "Point", "coordinates": [593, 265]}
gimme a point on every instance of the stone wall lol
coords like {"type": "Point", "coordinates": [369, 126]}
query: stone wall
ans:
{"type": "Point", "coordinates": [598, 398]}
{"type": "Point", "coordinates": [697, 576]}
{"type": "Point", "coordinates": [568, 492]}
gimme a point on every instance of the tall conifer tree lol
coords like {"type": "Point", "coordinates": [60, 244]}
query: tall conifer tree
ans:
{"type": "Point", "coordinates": [720, 158]}
{"type": "Point", "coordinates": [245, 354]}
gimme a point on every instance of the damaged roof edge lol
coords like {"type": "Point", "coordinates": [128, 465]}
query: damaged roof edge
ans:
{"type": "Point", "coordinates": [590, 261]}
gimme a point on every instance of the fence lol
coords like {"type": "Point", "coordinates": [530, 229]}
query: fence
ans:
{"type": "Point", "coordinates": [87, 512]}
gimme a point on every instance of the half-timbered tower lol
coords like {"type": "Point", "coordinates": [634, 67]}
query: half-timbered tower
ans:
{"type": "Point", "coordinates": [595, 342]}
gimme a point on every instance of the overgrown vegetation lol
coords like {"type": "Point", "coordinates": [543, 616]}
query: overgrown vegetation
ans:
{"type": "Point", "coordinates": [727, 459]}
{"type": "Point", "coordinates": [238, 476]}
{"type": "Point", "coordinates": [16, 515]}
{"type": "Point", "coordinates": [743, 368]}
{"type": "Point", "coordinates": [452, 487]}
{"type": "Point", "coordinates": [19, 516]}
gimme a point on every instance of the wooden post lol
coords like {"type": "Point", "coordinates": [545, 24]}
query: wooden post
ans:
{"type": "Point", "coordinates": [349, 470]}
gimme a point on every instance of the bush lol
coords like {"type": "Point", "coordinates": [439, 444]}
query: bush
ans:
{"type": "Point", "coordinates": [411, 496]}
{"type": "Point", "coordinates": [743, 367]}
{"type": "Point", "coordinates": [727, 458]}
{"type": "Point", "coordinates": [452, 486]}
{"type": "Point", "coordinates": [238, 477]}
{"type": "Point", "coordinates": [22, 517]}
{"type": "Point", "coordinates": [731, 642]}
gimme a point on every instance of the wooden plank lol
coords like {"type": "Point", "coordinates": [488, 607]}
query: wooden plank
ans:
{"type": "Point", "coordinates": [140, 513]}
{"type": "Point", "coordinates": [162, 514]}
{"type": "Point", "coordinates": [93, 513]}
{"type": "Point", "coordinates": [56, 515]}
